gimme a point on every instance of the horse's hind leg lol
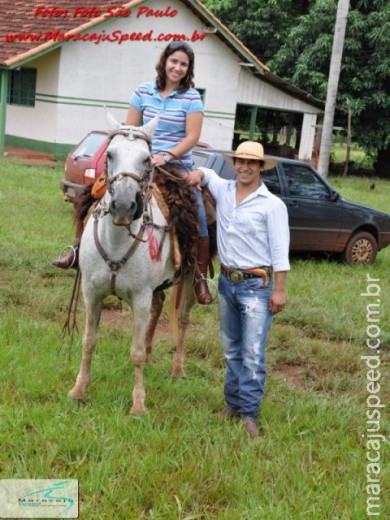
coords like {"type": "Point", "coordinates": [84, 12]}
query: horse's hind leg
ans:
{"type": "Point", "coordinates": [93, 311]}
{"type": "Point", "coordinates": [157, 306]}
{"type": "Point", "coordinates": [183, 322]}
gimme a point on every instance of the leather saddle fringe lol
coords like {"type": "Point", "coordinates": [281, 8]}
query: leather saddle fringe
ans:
{"type": "Point", "coordinates": [175, 249]}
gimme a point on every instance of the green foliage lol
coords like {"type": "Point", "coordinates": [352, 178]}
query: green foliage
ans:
{"type": "Point", "coordinates": [261, 25]}
{"type": "Point", "coordinates": [307, 47]}
{"type": "Point", "coordinates": [295, 40]}
{"type": "Point", "coordinates": [365, 74]}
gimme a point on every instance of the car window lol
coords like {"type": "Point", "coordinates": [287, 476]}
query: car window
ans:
{"type": "Point", "coordinates": [199, 160]}
{"type": "Point", "coordinates": [227, 170]}
{"type": "Point", "coordinates": [302, 182]}
{"type": "Point", "coordinates": [271, 180]}
{"type": "Point", "coordinates": [89, 146]}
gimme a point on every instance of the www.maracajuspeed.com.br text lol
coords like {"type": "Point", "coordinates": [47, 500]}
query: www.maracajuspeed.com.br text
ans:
{"type": "Point", "coordinates": [117, 36]}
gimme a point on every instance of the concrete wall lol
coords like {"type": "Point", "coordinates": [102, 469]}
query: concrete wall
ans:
{"type": "Point", "coordinates": [39, 122]}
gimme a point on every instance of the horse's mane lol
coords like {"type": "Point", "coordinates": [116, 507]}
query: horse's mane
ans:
{"type": "Point", "coordinates": [183, 211]}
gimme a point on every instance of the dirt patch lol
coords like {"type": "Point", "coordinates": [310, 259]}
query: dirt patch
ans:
{"type": "Point", "coordinates": [296, 374]}
{"type": "Point", "coordinates": [117, 317]}
{"type": "Point", "coordinates": [30, 157]}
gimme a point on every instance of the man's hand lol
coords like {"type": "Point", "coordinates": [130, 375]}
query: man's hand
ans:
{"type": "Point", "coordinates": [195, 178]}
{"type": "Point", "coordinates": [277, 301]}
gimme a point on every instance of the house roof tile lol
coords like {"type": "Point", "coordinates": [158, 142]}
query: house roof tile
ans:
{"type": "Point", "coordinates": [18, 18]}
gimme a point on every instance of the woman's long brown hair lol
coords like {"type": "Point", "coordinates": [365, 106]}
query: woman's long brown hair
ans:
{"type": "Point", "coordinates": [187, 82]}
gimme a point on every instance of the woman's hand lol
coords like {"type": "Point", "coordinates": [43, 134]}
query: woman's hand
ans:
{"type": "Point", "coordinates": [158, 160]}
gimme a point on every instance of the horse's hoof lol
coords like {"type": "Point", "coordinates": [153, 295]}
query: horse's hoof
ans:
{"type": "Point", "coordinates": [76, 395]}
{"type": "Point", "coordinates": [138, 409]}
{"type": "Point", "coordinates": [77, 402]}
{"type": "Point", "coordinates": [179, 373]}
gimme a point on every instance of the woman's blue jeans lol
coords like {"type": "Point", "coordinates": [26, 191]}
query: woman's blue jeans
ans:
{"type": "Point", "coordinates": [204, 231]}
{"type": "Point", "coordinates": [245, 320]}
{"type": "Point", "coordinates": [202, 214]}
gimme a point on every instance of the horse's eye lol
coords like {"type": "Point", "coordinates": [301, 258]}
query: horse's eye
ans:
{"type": "Point", "coordinates": [109, 155]}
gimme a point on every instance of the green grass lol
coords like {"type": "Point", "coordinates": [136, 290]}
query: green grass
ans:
{"type": "Point", "coordinates": [358, 155]}
{"type": "Point", "coordinates": [179, 461]}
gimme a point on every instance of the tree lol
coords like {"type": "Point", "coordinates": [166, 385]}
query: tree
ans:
{"type": "Point", "coordinates": [365, 73]}
{"type": "Point", "coordinates": [294, 38]}
{"type": "Point", "coordinates": [261, 25]}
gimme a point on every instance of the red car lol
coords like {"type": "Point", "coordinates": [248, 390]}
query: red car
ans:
{"type": "Point", "coordinates": [84, 164]}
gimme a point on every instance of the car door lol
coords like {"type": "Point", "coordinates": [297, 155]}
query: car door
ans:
{"type": "Point", "coordinates": [315, 217]}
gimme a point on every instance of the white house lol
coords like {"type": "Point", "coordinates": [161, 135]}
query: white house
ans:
{"type": "Point", "coordinates": [62, 63]}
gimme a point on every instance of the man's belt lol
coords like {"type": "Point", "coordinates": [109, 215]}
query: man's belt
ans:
{"type": "Point", "coordinates": [239, 275]}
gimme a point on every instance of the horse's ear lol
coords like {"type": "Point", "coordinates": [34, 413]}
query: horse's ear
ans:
{"type": "Point", "coordinates": [150, 127]}
{"type": "Point", "coordinates": [111, 121]}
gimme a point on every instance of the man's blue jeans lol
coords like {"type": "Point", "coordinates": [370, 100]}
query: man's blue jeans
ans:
{"type": "Point", "coordinates": [245, 320]}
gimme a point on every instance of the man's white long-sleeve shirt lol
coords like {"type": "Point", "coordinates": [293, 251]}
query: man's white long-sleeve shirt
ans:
{"type": "Point", "coordinates": [253, 233]}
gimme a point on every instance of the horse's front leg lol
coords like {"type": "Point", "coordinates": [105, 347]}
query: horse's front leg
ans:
{"type": "Point", "coordinates": [157, 306]}
{"type": "Point", "coordinates": [138, 352]}
{"type": "Point", "coordinates": [184, 320]}
{"type": "Point", "coordinates": [93, 311]}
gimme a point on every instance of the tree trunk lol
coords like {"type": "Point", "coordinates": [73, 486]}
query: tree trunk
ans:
{"type": "Point", "coordinates": [333, 82]}
{"type": "Point", "coordinates": [382, 164]}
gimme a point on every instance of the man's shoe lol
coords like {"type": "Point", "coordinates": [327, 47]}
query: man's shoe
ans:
{"type": "Point", "coordinates": [228, 412]}
{"type": "Point", "coordinates": [251, 428]}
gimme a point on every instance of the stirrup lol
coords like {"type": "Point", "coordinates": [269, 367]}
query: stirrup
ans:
{"type": "Point", "coordinates": [74, 251]}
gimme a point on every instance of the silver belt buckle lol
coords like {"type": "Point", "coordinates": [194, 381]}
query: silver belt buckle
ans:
{"type": "Point", "coordinates": [236, 276]}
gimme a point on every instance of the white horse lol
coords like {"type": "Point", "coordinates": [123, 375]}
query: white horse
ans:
{"type": "Point", "coordinates": [126, 250]}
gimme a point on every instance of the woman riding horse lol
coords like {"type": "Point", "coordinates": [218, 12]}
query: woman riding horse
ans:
{"type": "Point", "coordinates": [180, 110]}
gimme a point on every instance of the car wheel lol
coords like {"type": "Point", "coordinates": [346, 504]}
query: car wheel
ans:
{"type": "Point", "coordinates": [361, 249]}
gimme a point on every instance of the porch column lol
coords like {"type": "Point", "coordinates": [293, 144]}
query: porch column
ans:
{"type": "Point", "coordinates": [307, 136]}
{"type": "Point", "coordinates": [3, 106]}
{"type": "Point", "coordinates": [252, 125]}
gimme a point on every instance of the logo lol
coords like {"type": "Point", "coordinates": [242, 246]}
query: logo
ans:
{"type": "Point", "coordinates": [38, 498]}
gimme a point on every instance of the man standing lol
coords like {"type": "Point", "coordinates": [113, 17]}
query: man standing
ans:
{"type": "Point", "coordinates": [253, 243]}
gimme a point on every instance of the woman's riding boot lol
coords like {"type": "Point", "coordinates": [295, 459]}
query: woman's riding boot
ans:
{"type": "Point", "coordinates": [71, 259]}
{"type": "Point", "coordinates": [202, 261]}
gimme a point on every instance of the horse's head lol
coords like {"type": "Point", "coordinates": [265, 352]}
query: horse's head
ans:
{"type": "Point", "coordinates": [127, 168]}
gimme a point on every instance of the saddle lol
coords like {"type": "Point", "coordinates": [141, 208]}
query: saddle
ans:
{"type": "Point", "coordinates": [178, 204]}
{"type": "Point", "coordinates": [180, 200]}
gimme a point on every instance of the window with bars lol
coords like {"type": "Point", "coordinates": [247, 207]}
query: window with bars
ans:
{"type": "Point", "coordinates": [22, 87]}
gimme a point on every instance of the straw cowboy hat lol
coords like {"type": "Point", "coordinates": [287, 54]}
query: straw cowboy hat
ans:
{"type": "Point", "coordinates": [253, 150]}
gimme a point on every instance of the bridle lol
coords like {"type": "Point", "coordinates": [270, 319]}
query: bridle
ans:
{"type": "Point", "coordinates": [145, 194]}
{"type": "Point", "coordinates": [130, 134]}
